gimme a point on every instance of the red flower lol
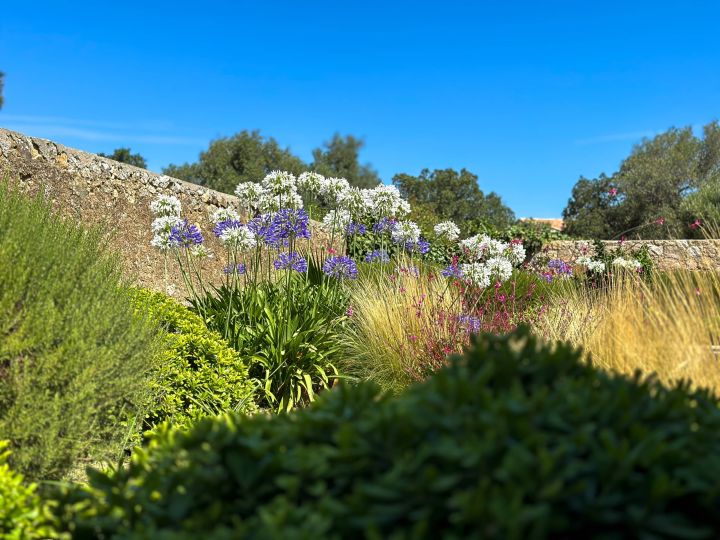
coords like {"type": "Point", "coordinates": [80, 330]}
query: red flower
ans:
{"type": "Point", "coordinates": [695, 224]}
{"type": "Point", "coordinates": [660, 220]}
{"type": "Point", "coordinates": [613, 191]}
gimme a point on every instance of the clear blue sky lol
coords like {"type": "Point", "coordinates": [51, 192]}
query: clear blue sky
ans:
{"type": "Point", "coordinates": [527, 95]}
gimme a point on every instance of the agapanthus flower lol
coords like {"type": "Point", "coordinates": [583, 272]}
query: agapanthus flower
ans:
{"type": "Point", "coordinates": [422, 246]}
{"type": "Point", "coordinates": [185, 235]}
{"type": "Point", "coordinates": [162, 242]}
{"type": "Point", "coordinates": [238, 236]}
{"type": "Point", "coordinates": [332, 189]}
{"type": "Point", "coordinates": [476, 274]}
{"type": "Point", "coordinates": [164, 224]}
{"type": "Point", "coordinates": [387, 202]}
{"type": "Point", "coordinates": [453, 271]}
{"type": "Point", "coordinates": [377, 255]}
{"type": "Point", "coordinates": [200, 251]}
{"type": "Point", "coordinates": [166, 205]}
{"type": "Point", "coordinates": [224, 214]}
{"type": "Point", "coordinates": [336, 220]}
{"type": "Point", "coordinates": [516, 252]}
{"type": "Point", "coordinates": [560, 267]}
{"type": "Point", "coordinates": [291, 261]}
{"type": "Point", "coordinates": [310, 182]}
{"type": "Point", "coordinates": [264, 228]}
{"type": "Point", "coordinates": [469, 323]}
{"type": "Point", "coordinates": [356, 201]}
{"type": "Point", "coordinates": [405, 231]}
{"type": "Point", "coordinates": [235, 269]}
{"type": "Point", "coordinates": [355, 229]}
{"type": "Point", "coordinates": [583, 260]}
{"type": "Point", "coordinates": [279, 182]}
{"type": "Point", "coordinates": [630, 264]}
{"type": "Point", "coordinates": [447, 230]}
{"type": "Point", "coordinates": [384, 225]}
{"type": "Point", "coordinates": [292, 223]}
{"type": "Point", "coordinates": [340, 268]}
{"type": "Point", "coordinates": [482, 246]}
{"type": "Point", "coordinates": [597, 267]}
{"type": "Point", "coordinates": [499, 267]}
{"type": "Point", "coordinates": [250, 195]}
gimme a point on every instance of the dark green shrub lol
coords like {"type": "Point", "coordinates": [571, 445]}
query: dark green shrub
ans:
{"type": "Point", "coordinates": [23, 515]}
{"type": "Point", "coordinates": [516, 440]}
{"type": "Point", "coordinates": [75, 357]}
{"type": "Point", "coordinates": [199, 373]}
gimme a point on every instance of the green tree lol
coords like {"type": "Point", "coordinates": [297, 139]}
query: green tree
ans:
{"type": "Point", "coordinates": [124, 155]}
{"type": "Point", "coordinates": [2, 84]}
{"type": "Point", "coordinates": [339, 157]}
{"type": "Point", "coordinates": [456, 196]}
{"type": "Point", "coordinates": [245, 157]}
{"type": "Point", "coordinates": [654, 183]}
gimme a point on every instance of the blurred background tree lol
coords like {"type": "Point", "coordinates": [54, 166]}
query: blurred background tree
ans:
{"type": "Point", "coordinates": [124, 155]}
{"type": "Point", "coordinates": [2, 84]}
{"type": "Point", "coordinates": [339, 157]}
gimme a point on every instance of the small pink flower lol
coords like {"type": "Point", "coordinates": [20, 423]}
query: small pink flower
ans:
{"type": "Point", "coordinates": [622, 239]}
{"type": "Point", "coordinates": [613, 191]}
{"type": "Point", "coordinates": [447, 350]}
{"type": "Point", "coordinates": [350, 312]}
{"type": "Point", "coordinates": [331, 251]}
{"type": "Point", "coordinates": [695, 224]}
{"type": "Point", "coordinates": [660, 220]}
{"type": "Point", "coordinates": [697, 291]}
{"type": "Point", "coordinates": [402, 289]}
{"type": "Point", "coordinates": [412, 337]}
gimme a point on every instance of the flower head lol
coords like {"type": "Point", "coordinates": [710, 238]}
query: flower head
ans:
{"type": "Point", "coordinates": [377, 255]}
{"type": "Point", "coordinates": [224, 214]}
{"type": "Point", "coordinates": [235, 235]}
{"type": "Point", "coordinates": [250, 195]}
{"type": "Point", "coordinates": [405, 231]}
{"type": "Point", "coordinates": [265, 229]}
{"type": "Point", "coordinates": [453, 271]}
{"type": "Point", "coordinates": [355, 229]}
{"type": "Point", "coordinates": [469, 323]}
{"type": "Point", "coordinates": [185, 235]}
{"type": "Point", "coordinates": [422, 246]}
{"type": "Point", "coordinates": [166, 205]}
{"type": "Point", "coordinates": [291, 261]}
{"type": "Point", "coordinates": [310, 182]}
{"type": "Point", "coordinates": [340, 268]}
{"type": "Point", "coordinates": [447, 230]}
{"type": "Point", "coordinates": [238, 269]}
{"type": "Point", "coordinates": [384, 225]}
{"type": "Point", "coordinates": [292, 223]}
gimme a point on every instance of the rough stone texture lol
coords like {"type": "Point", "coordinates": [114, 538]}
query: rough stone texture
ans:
{"type": "Point", "coordinates": [667, 254]}
{"type": "Point", "coordinates": [98, 190]}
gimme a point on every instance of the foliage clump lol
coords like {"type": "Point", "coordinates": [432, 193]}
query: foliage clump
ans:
{"type": "Point", "coordinates": [514, 440]}
{"type": "Point", "coordinates": [198, 372]}
{"type": "Point", "coordinates": [75, 357]}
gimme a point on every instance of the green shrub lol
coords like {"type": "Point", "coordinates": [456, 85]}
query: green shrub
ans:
{"type": "Point", "coordinates": [199, 373]}
{"type": "Point", "coordinates": [515, 440]}
{"type": "Point", "coordinates": [75, 357]}
{"type": "Point", "coordinates": [23, 515]}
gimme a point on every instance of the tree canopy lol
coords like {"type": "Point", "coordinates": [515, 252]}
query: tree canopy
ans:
{"type": "Point", "coordinates": [340, 157]}
{"type": "Point", "coordinates": [652, 193]}
{"type": "Point", "coordinates": [449, 194]}
{"type": "Point", "coordinates": [124, 155]}
{"type": "Point", "coordinates": [245, 157]}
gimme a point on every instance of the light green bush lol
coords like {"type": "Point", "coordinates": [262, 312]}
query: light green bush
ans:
{"type": "Point", "coordinates": [75, 356]}
{"type": "Point", "coordinates": [198, 373]}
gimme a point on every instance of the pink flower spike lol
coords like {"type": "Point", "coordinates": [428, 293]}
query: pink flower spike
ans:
{"type": "Point", "coordinates": [695, 224]}
{"type": "Point", "coordinates": [613, 192]}
{"type": "Point", "coordinates": [660, 220]}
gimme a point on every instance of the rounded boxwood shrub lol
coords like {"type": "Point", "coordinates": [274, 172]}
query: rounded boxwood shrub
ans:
{"type": "Point", "coordinates": [515, 440]}
{"type": "Point", "coordinates": [75, 356]}
{"type": "Point", "coordinates": [199, 373]}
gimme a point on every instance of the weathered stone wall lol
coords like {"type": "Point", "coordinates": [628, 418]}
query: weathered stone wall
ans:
{"type": "Point", "coordinates": [667, 254]}
{"type": "Point", "coordinates": [97, 190]}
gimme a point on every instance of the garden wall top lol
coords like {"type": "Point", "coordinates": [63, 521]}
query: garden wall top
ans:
{"type": "Point", "coordinates": [98, 190]}
{"type": "Point", "coordinates": [667, 254]}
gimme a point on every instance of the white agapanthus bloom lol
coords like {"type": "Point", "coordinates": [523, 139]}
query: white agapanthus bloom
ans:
{"type": "Point", "coordinates": [250, 194]}
{"type": "Point", "coordinates": [201, 252]}
{"type": "Point", "coordinates": [387, 202]}
{"type": "Point", "coordinates": [238, 237]}
{"type": "Point", "coordinates": [481, 246]}
{"type": "Point", "coordinates": [477, 274]}
{"type": "Point", "coordinates": [310, 182]}
{"type": "Point", "coordinates": [598, 267]}
{"type": "Point", "coordinates": [332, 189]}
{"type": "Point", "coordinates": [355, 201]}
{"type": "Point", "coordinates": [279, 182]}
{"type": "Point", "coordinates": [630, 264]}
{"type": "Point", "coordinates": [337, 220]}
{"type": "Point", "coordinates": [500, 267]}
{"type": "Point", "coordinates": [166, 205]}
{"type": "Point", "coordinates": [583, 260]}
{"type": "Point", "coordinates": [447, 230]}
{"type": "Point", "coordinates": [162, 242]}
{"type": "Point", "coordinates": [224, 214]}
{"type": "Point", "coordinates": [516, 253]}
{"type": "Point", "coordinates": [164, 224]}
{"type": "Point", "coordinates": [405, 231]}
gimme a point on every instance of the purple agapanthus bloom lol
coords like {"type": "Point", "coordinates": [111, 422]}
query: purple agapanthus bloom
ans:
{"type": "Point", "coordinates": [235, 269]}
{"type": "Point", "coordinates": [422, 246]}
{"type": "Point", "coordinates": [385, 224]}
{"type": "Point", "coordinates": [560, 267]}
{"type": "Point", "coordinates": [291, 261]}
{"type": "Point", "coordinates": [185, 235]}
{"type": "Point", "coordinates": [355, 229]}
{"type": "Point", "coordinates": [452, 271]}
{"type": "Point", "coordinates": [292, 223]}
{"type": "Point", "coordinates": [340, 267]}
{"type": "Point", "coordinates": [378, 255]}
{"type": "Point", "coordinates": [265, 229]}
{"type": "Point", "coordinates": [470, 323]}
{"type": "Point", "coordinates": [227, 224]}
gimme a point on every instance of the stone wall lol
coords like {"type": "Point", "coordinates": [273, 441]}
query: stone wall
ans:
{"type": "Point", "coordinates": [667, 254]}
{"type": "Point", "coordinates": [99, 191]}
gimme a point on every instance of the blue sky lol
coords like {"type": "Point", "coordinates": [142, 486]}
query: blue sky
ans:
{"type": "Point", "coordinates": [527, 95]}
